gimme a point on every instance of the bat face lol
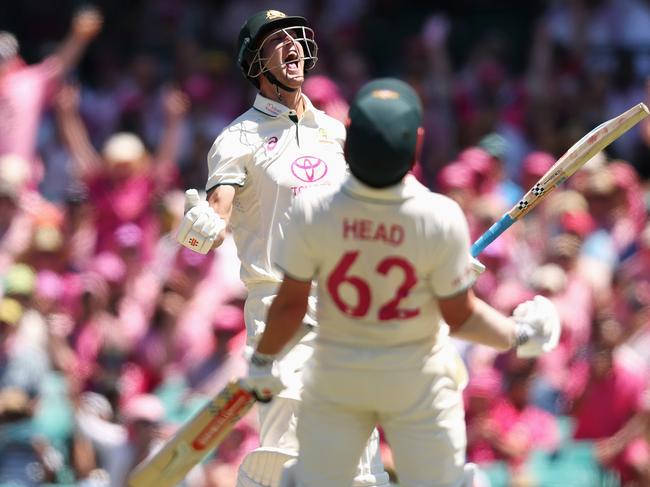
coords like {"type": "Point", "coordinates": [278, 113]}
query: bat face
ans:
{"type": "Point", "coordinates": [577, 156]}
{"type": "Point", "coordinates": [226, 412]}
{"type": "Point", "coordinates": [195, 440]}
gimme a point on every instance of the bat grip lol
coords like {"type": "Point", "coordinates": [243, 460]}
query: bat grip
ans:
{"type": "Point", "coordinates": [491, 234]}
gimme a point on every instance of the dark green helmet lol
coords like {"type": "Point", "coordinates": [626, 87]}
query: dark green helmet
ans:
{"type": "Point", "coordinates": [258, 27]}
{"type": "Point", "coordinates": [382, 135]}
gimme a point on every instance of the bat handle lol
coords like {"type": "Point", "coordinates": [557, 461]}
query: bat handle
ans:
{"type": "Point", "coordinates": [491, 234]}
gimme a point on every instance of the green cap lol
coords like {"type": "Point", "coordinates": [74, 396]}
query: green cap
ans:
{"type": "Point", "coordinates": [383, 132]}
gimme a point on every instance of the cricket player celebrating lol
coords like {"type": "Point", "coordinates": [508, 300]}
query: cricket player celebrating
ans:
{"type": "Point", "coordinates": [278, 149]}
{"type": "Point", "coordinates": [394, 273]}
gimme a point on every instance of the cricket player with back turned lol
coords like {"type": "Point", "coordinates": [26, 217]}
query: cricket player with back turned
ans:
{"type": "Point", "coordinates": [278, 149]}
{"type": "Point", "coordinates": [394, 273]}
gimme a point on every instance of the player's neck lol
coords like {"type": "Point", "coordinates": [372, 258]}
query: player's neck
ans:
{"type": "Point", "coordinates": [295, 102]}
{"type": "Point", "coordinates": [291, 99]}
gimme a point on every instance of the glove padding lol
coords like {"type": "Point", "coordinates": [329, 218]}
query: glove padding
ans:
{"type": "Point", "coordinates": [539, 320]}
{"type": "Point", "coordinates": [200, 225]}
{"type": "Point", "coordinates": [263, 380]}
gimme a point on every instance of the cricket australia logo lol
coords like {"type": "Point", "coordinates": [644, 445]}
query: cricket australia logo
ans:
{"type": "Point", "coordinates": [309, 169]}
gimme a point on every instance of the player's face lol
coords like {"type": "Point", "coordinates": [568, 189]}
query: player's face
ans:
{"type": "Point", "coordinates": [285, 57]}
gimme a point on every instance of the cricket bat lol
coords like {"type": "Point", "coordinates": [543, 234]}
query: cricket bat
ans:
{"type": "Point", "coordinates": [572, 160]}
{"type": "Point", "coordinates": [199, 436]}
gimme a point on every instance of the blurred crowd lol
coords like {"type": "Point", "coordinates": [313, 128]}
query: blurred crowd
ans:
{"type": "Point", "coordinates": [111, 335]}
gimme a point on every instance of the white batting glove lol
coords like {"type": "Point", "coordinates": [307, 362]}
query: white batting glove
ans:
{"type": "Point", "coordinates": [200, 225]}
{"type": "Point", "coordinates": [263, 378]}
{"type": "Point", "coordinates": [538, 327]}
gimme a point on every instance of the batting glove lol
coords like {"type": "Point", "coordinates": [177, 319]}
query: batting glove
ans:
{"type": "Point", "coordinates": [263, 378]}
{"type": "Point", "coordinates": [200, 225]}
{"type": "Point", "coordinates": [538, 327]}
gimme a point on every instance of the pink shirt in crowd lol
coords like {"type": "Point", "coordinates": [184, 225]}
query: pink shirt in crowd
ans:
{"type": "Point", "coordinates": [536, 427]}
{"type": "Point", "coordinates": [24, 93]}
{"type": "Point", "coordinates": [129, 202]}
{"type": "Point", "coordinates": [610, 402]}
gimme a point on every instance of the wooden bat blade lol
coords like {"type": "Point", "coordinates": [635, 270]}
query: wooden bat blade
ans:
{"type": "Point", "coordinates": [199, 436]}
{"type": "Point", "coordinates": [572, 160]}
{"type": "Point", "coordinates": [578, 155]}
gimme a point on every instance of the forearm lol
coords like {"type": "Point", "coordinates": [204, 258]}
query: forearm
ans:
{"type": "Point", "coordinates": [167, 152]}
{"type": "Point", "coordinates": [221, 200]}
{"type": "Point", "coordinates": [71, 50]}
{"type": "Point", "coordinates": [283, 321]}
{"type": "Point", "coordinates": [85, 158]}
{"type": "Point", "coordinates": [487, 326]}
{"type": "Point", "coordinates": [175, 105]}
{"type": "Point", "coordinates": [86, 24]}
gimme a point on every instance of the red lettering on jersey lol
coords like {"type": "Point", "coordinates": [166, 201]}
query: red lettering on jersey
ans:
{"type": "Point", "coordinates": [296, 190]}
{"type": "Point", "coordinates": [365, 227]}
{"type": "Point", "coordinates": [396, 236]}
{"type": "Point", "coordinates": [362, 229]}
{"type": "Point", "coordinates": [380, 233]}
{"type": "Point", "coordinates": [349, 227]}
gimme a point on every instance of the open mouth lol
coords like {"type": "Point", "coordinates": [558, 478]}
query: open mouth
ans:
{"type": "Point", "coordinates": [291, 61]}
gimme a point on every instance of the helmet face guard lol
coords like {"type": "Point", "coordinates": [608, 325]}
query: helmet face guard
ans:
{"type": "Point", "coordinates": [259, 28]}
{"type": "Point", "coordinates": [300, 34]}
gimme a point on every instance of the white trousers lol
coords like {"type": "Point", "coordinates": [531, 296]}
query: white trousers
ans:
{"type": "Point", "coordinates": [421, 412]}
{"type": "Point", "coordinates": [278, 419]}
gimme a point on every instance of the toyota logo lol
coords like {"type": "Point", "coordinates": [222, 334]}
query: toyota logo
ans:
{"type": "Point", "coordinates": [309, 169]}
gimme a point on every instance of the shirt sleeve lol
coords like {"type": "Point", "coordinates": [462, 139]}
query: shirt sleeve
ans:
{"type": "Point", "coordinates": [453, 272]}
{"type": "Point", "coordinates": [294, 256]}
{"type": "Point", "coordinates": [227, 161]}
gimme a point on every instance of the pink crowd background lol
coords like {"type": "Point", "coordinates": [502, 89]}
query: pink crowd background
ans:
{"type": "Point", "coordinates": [111, 335]}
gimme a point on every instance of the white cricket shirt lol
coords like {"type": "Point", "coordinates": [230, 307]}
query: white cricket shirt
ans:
{"type": "Point", "coordinates": [381, 257]}
{"type": "Point", "coordinates": [271, 158]}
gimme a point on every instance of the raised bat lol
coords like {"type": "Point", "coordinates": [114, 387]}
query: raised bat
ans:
{"type": "Point", "coordinates": [572, 160]}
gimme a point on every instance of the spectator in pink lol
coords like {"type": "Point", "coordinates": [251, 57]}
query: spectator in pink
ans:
{"type": "Point", "coordinates": [606, 392]}
{"type": "Point", "coordinates": [458, 181]}
{"type": "Point", "coordinates": [513, 427]}
{"type": "Point", "coordinates": [25, 90]}
{"type": "Point", "coordinates": [159, 350]}
{"type": "Point", "coordinates": [631, 297]}
{"type": "Point", "coordinates": [194, 277]}
{"type": "Point", "coordinates": [483, 390]}
{"type": "Point", "coordinates": [632, 213]}
{"type": "Point", "coordinates": [124, 182]}
{"type": "Point", "coordinates": [227, 360]}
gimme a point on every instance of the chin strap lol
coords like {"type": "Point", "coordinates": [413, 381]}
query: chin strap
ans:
{"type": "Point", "coordinates": [277, 83]}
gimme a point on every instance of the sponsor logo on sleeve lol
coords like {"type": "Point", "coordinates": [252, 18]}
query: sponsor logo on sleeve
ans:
{"type": "Point", "coordinates": [271, 143]}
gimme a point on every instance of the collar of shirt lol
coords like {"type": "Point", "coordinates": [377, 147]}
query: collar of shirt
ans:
{"type": "Point", "coordinates": [393, 194]}
{"type": "Point", "coordinates": [276, 109]}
